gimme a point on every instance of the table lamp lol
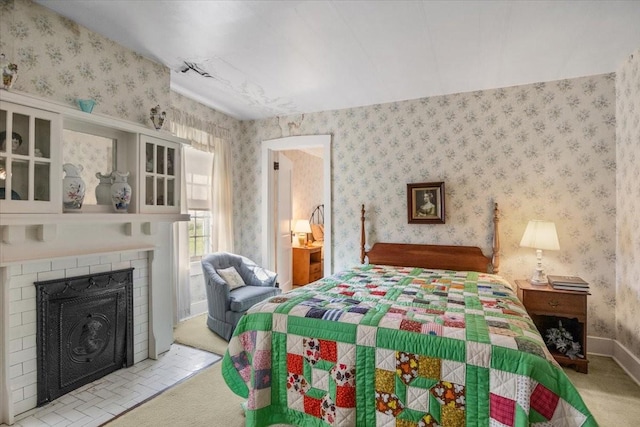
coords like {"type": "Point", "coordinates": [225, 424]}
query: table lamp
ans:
{"type": "Point", "coordinates": [301, 228]}
{"type": "Point", "coordinates": [540, 235]}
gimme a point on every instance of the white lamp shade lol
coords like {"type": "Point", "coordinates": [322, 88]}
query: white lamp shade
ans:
{"type": "Point", "coordinates": [302, 226]}
{"type": "Point", "coordinates": [540, 235]}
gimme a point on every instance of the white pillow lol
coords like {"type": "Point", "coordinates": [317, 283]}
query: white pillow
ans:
{"type": "Point", "coordinates": [232, 277]}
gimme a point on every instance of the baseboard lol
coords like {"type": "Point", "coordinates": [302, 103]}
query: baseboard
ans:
{"type": "Point", "coordinates": [614, 349]}
{"type": "Point", "coordinates": [628, 362]}
{"type": "Point", "coordinates": [600, 346]}
{"type": "Point", "coordinates": [197, 308]}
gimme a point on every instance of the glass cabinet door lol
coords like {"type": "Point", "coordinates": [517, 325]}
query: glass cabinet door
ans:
{"type": "Point", "coordinates": [29, 146]}
{"type": "Point", "coordinates": [161, 175]}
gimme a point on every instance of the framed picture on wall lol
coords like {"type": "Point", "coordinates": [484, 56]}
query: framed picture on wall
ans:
{"type": "Point", "coordinates": [425, 203]}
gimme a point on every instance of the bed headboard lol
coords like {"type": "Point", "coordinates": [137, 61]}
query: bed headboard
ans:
{"type": "Point", "coordinates": [317, 216]}
{"type": "Point", "coordinates": [460, 258]}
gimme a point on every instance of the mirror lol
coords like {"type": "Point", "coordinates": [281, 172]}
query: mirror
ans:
{"type": "Point", "coordinates": [95, 153]}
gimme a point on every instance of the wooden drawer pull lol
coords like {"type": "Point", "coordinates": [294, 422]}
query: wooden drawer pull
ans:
{"type": "Point", "coordinates": [554, 304]}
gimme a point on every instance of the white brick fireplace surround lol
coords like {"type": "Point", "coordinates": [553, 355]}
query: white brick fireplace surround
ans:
{"type": "Point", "coordinates": [75, 248]}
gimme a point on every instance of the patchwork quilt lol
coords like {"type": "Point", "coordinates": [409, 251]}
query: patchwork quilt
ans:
{"type": "Point", "coordinates": [397, 346]}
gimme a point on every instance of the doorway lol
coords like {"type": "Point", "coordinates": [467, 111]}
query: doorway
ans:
{"type": "Point", "coordinates": [270, 148]}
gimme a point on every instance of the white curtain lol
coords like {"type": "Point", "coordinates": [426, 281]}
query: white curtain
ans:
{"type": "Point", "coordinates": [221, 194]}
{"type": "Point", "coordinates": [181, 254]}
{"type": "Point", "coordinates": [207, 137]}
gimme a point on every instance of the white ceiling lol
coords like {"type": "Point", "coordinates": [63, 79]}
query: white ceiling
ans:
{"type": "Point", "coordinates": [275, 58]}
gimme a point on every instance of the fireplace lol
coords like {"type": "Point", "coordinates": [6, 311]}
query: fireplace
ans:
{"type": "Point", "coordinates": [68, 246]}
{"type": "Point", "coordinates": [84, 330]}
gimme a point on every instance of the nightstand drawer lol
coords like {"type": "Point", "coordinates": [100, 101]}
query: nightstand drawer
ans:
{"type": "Point", "coordinates": [315, 268]}
{"type": "Point", "coordinates": [555, 303]}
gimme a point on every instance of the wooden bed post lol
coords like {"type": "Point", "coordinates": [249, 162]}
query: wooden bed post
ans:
{"type": "Point", "coordinates": [362, 238]}
{"type": "Point", "coordinates": [495, 260]}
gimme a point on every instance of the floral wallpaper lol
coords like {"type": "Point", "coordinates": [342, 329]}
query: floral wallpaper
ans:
{"type": "Point", "coordinates": [628, 204]}
{"type": "Point", "coordinates": [93, 153]}
{"type": "Point", "coordinates": [307, 183]}
{"type": "Point", "coordinates": [542, 151]}
{"type": "Point", "coordinates": [63, 61]}
{"type": "Point", "coordinates": [545, 150]}
{"type": "Point", "coordinates": [206, 114]}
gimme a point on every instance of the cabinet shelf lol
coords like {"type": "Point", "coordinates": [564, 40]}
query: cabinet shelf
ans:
{"type": "Point", "coordinates": [78, 117]}
{"type": "Point", "coordinates": [52, 134]}
{"type": "Point", "coordinates": [546, 304]}
{"type": "Point", "coordinates": [580, 364]}
{"type": "Point", "coordinates": [103, 218]}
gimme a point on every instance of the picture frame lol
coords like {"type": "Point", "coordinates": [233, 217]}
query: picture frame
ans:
{"type": "Point", "coordinates": [425, 203]}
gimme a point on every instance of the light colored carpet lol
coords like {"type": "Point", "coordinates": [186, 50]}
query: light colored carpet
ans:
{"type": "Point", "coordinates": [610, 394]}
{"type": "Point", "coordinates": [204, 399]}
{"type": "Point", "coordinates": [195, 333]}
{"type": "Point", "coordinates": [201, 400]}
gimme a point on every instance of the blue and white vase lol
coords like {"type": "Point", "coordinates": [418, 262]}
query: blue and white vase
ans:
{"type": "Point", "coordinates": [120, 192]}
{"type": "Point", "coordinates": [73, 188]}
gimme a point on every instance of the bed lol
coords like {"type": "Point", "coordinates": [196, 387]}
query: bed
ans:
{"type": "Point", "coordinates": [316, 221]}
{"type": "Point", "coordinates": [420, 335]}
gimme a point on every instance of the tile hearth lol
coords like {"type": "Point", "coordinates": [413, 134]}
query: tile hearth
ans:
{"type": "Point", "coordinates": [100, 401]}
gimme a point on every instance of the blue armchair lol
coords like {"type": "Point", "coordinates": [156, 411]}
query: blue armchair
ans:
{"type": "Point", "coordinates": [227, 303]}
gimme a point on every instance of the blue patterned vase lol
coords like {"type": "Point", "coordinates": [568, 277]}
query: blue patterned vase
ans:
{"type": "Point", "coordinates": [120, 192]}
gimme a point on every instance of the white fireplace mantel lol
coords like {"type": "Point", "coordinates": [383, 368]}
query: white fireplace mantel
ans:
{"type": "Point", "coordinates": [50, 246]}
{"type": "Point", "coordinates": [33, 237]}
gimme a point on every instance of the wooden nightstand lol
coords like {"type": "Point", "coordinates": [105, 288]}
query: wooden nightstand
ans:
{"type": "Point", "coordinates": [545, 304]}
{"type": "Point", "coordinates": [307, 265]}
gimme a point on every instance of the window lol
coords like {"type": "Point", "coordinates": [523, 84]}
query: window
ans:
{"type": "Point", "coordinates": [199, 234]}
{"type": "Point", "coordinates": [198, 171]}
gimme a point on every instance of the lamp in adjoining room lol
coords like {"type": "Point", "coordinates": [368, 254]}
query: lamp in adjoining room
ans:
{"type": "Point", "coordinates": [301, 228]}
{"type": "Point", "coordinates": [540, 235]}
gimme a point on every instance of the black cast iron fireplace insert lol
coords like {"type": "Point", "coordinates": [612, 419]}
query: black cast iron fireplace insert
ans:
{"type": "Point", "coordinates": [85, 330]}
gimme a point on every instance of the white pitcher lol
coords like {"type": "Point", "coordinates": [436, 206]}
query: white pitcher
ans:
{"type": "Point", "coordinates": [73, 188]}
{"type": "Point", "coordinates": [103, 189]}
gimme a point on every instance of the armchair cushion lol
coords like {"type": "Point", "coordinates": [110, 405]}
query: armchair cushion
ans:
{"type": "Point", "coordinates": [231, 276]}
{"type": "Point", "coordinates": [242, 299]}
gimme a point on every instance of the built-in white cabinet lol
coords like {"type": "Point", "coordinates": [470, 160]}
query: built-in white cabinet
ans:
{"type": "Point", "coordinates": [160, 180]}
{"type": "Point", "coordinates": [46, 135]}
{"type": "Point", "coordinates": [30, 172]}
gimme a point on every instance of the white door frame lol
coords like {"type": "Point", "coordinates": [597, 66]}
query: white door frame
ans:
{"type": "Point", "coordinates": [282, 225]}
{"type": "Point", "coordinates": [294, 143]}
